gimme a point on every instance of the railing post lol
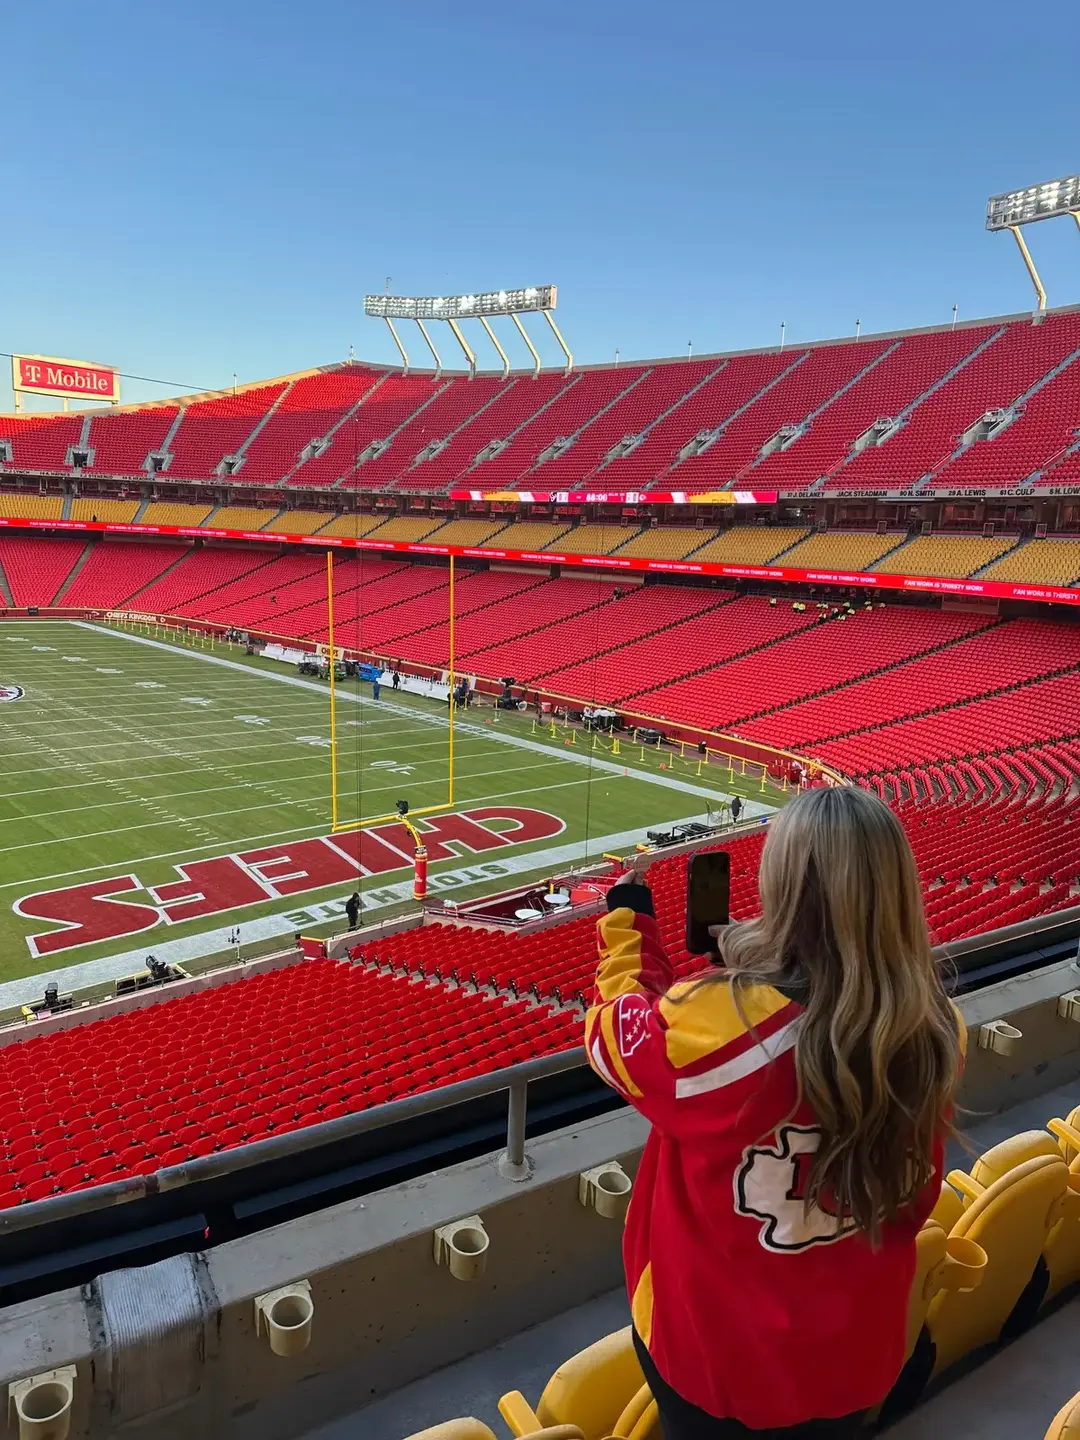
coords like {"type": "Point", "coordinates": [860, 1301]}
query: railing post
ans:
{"type": "Point", "coordinates": [513, 1163]}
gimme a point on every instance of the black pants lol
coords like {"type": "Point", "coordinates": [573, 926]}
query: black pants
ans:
{"type": "Point", "coordinates": [683, 1421]}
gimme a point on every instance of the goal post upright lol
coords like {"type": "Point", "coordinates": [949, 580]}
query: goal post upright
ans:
{"type": "Point", "coordinates": [338, 825]}
{"type": "Point", "coordinates": [333, 691]}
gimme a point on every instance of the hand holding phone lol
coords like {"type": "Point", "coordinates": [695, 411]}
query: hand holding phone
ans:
{"type": "Point", "coordinates": [708, 887]}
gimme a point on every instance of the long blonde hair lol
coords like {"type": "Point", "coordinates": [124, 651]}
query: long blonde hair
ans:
{"type": "Point", "coordinates": [878, 1053]}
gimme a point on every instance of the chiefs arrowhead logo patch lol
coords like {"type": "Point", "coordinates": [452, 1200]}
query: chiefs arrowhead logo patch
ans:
{"type": "Point", "coordinates": [11, 692]}
{"type": "Point", "coordinates": [632, 1023]}
{"type": "Point", "coordinates": [770, 1186]}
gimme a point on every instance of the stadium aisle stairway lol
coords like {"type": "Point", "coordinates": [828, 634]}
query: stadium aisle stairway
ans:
{"type": "Point", "coordinates": [652, 394]}
{"type": "Point", "coordinates": [1039, 711]}
{"type": "Point", "coordinates": [453, 405]}
{"type": "Point", "coordinates": [308, 411]}
{"type": "Point", "coordinates": [889, 388]}
{"type": "Point", "coordinates": [381, 410]}
{"type": "Point", "coordinates": [37, 567]}
{"type": "Point", "coordinates": [209, 430]}
{"type": "Point", "coordinates": [804, 664]}
{"type": "Point", "coordinates": [513, 407]}
{"type": "Point", "coordinates": [810, 382]}
{"type": "Point", "coordinates": [238, 1063]}
{"type": "Point", "coordinates": [945, 555]}
{"type": "Point", "coordinates": [200, 572]}
{"type": "Point", "coordinates": [729, 389]}
{"type": "Point", "coordinates": [115, 571]}
{"type": "Point", "coordinates": [1039, 562]}
{"type": "Point", "coordinates": [750, 545]}
{"type": "Point", "coordinates": [1002, 655]}
{"type": "Point", "coordinates": [1003, 371]}
{"type": "Point", "coordinates": [120, 441]}
{"type": "Point", "coordinates": [575, 404]}
{"type": "Point", "coordinates": [40, 442]}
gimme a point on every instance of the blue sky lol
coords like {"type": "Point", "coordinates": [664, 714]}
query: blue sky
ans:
{"type": "Point", "coordinates": [195, 191]}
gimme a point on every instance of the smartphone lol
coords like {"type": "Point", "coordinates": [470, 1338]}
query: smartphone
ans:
{"type": "Point", "coordinates": [708, 888]}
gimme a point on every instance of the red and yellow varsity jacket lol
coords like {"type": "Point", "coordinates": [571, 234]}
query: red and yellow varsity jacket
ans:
{"type": "Point", "coordinates": [751, 1308]}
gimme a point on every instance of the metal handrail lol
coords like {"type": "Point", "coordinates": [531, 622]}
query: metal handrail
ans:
{"type": "Point", "coordinates": [515, 1079]}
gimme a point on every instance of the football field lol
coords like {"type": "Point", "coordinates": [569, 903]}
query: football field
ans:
{"type": "Point", "coordinates": [155, 797]}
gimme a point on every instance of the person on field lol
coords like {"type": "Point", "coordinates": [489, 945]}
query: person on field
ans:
{"type": "Point", "coordinates": [800, 1094]}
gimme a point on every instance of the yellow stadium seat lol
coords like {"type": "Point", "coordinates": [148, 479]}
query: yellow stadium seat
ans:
{"type": "Point", "coordinates": [595, 539]}
{"type": "Point", "coordinates": [1062, 1253]}
{"type": "Point", "coordinates": [408, 529]}
{"type": "Point", "coordinates": [112, 512]}
{"type": "Point", "coordinates": [456, 1430]}
{"type": "Point", "coordinates": [1066, 1423]}
{"type": "Point", "coordinates": [957, 555]}
{"type": "Point", "coordinates": [352, 526]}
{"type": "Point", "coordinates": [240, 517]}
{"type": "Point", "coordinates": [31, 507]}
{"type": "Point", "coordinates": [841, 550]}
{"type": "Point", "coordinates": [748, 544]}
{"type": "Point", "coordinates": [942, 1262]}
{"type": "Point", "coordinates": [1039, 562]}
{"type": "Point", "coordinates": [174, 512]}
{"type": "Point", "coordinates": [297, 522]}
{"type": "Point", "coordinates": [1009, 1205]}
{"type": "Point", "coordinates": [666, 542]}
{"type": "Point", "coordinates": [601, 1391]}
{"type": "Point", "coordinates": [464, 532]}
{"type": "Point", "coordinates": [526, 535]}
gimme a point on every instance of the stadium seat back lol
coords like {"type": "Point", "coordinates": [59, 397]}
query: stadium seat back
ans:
{"type": "Point", "coordinates": [594, 1390]}
{"type": "Point", "coordinates": [1062, 1253]}
{"type": "Point", "coordinates": [943, 1262]}
{"type": "Point", "coordinates": [456, 1430]}
{"type": "Point", "coordinates": [1000, 1159]}
{"type": "Point", "coordinates": [1066, 1423]}
{"type": "Point", "coordinates": [1010, 1219]}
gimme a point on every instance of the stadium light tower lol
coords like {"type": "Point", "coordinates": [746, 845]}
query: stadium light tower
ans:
{"type": "Point", "coordinates": [1016, 208]}
{"type": "Point", "coordinates": [453, 309]}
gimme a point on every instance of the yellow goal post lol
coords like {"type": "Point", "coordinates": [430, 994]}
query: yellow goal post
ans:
{"type": "Point", "coordinates": [339, 826]}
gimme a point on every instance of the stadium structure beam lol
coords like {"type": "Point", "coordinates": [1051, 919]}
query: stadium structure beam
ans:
{"type": "Point", "coordinates": [502, 353]}
{"type": "Point", "coordinates": [431, 346]}
{"type": "Point", "coordinates": [397, 342]}
{"type": "Point", "coordinates": [453, 309]}
{"type": "Point", "coordinates": [1015, 208]}
{"type": "Point", "coordinates": [470, 355]}
{"type": "Point", "coordinates": [525, 336]}
{"type": "Point", "coordinates": [1025, 255]}
{"type": "Point", "coordinates": [562, 343]}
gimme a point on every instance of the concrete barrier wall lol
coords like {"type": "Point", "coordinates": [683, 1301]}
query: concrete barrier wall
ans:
{"type": "Point", "coordinates": [171, 1351]}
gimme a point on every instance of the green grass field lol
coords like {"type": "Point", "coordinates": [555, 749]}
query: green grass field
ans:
{"type": "Point", "coordinates": [125, 759]}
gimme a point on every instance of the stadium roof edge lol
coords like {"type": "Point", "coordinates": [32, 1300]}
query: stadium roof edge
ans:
{"type": "Point", "coordinates": [496, 372]}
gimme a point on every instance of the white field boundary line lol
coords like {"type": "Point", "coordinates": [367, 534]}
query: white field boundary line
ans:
{"type": "Point", "coordinates": [519, 742]}
{"type": "Point", "coordinates": [268, 927]}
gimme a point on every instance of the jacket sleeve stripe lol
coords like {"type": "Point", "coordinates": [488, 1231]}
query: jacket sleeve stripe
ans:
{"type": "Point", "coordinates": [756, 1058]}
{"type": "Point", "coordinates": [611, 1045]}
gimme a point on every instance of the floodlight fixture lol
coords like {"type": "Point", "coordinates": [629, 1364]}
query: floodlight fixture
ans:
{"type": "Point", "coordinates": [482, 307]}
{"type": "Point", "coordinates": [1048, 201]}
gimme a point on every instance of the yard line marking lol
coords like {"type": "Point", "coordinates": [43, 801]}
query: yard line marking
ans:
{"type": "Point", "coordinates": [664, 781]}
{"type": "Point", "coordinates": [271, 804]}
{"type": "Point", "coordinates": [149, 801]}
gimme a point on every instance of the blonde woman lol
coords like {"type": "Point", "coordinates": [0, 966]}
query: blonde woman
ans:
{"type": "Point", "coordinates": [800, 1095]}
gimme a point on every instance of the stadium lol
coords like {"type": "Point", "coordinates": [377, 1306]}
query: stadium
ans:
{"type": "Point", "coordinates": [333, 706]}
